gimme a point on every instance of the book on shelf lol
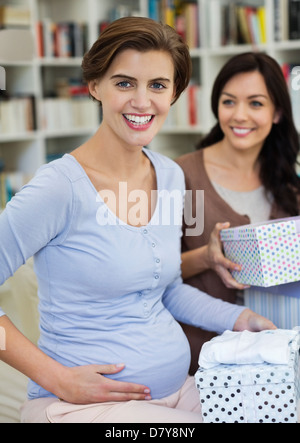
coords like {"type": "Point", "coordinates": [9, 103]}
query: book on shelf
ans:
{"type": "Point", "coordinates": [14, 16]}
{"type": "Point", "coordinates": [115, 13]}
{"type": "Point", "coordinates": [185, 113]}
{"type": "Point", "coordinates": [181, 15]}
{"type": "Point", "coordinates": [71, 88]}
{"type": "Point", "coordinates": [17, 114]}
{"type": "Point", "coordinates": [122, 10]}
{"type": "Point", "coordinates": [294, 20]}
{"type": "Point", "coordinates": [69, 107]}
{"type": "Point", "coordinates": [62, 114]}
{"type": "Point", "coordinates": [66, 39]}
{"type": "Point", "coordinates": [233, 23]}
{"type": "Point", "coordinates": [287, 20]}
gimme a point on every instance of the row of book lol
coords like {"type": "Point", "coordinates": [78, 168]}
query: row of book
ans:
{"type": "Point", "coordinates": [69, 106]}
{"type": "Point", "coordinates": [181, 15]}
{"type": "Point", "coordinates": [120, 10]}
{"type": "Point", "coordinates": [66, 114]}
{"type": "Point", "coordinates": [70, 88]}
{"type": "Point", "coordinates": [61, 39]}
{"type": "Point", "coordinates": [17, 114]}
{"type": "Point", "coordinates": [10, 184]}
{"type": "Point", "coordinates": [287, 19]}
{"type": "Point", "coordinates": [14, 16]}
{"type": "Point", "coordinates": [186, 112]}
{"type": "Point", "coordinates": [233, 23]}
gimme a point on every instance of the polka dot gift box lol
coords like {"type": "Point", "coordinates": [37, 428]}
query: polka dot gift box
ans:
{"type": "Point", "coordinates": [251, 393]}
{"type": "Point", "coordinates": [268, 252]}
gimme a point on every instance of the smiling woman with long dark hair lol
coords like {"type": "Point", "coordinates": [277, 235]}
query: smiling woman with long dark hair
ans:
{"type": "Point", "coordinates": [246, 166]}
{"type": "Point", "coordinates": [280, 150]}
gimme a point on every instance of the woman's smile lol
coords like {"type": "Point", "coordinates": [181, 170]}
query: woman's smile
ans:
{"type": "Point", "coordinates": [138, 122]}
{"type": "Point", "coordinates": [242, 132]}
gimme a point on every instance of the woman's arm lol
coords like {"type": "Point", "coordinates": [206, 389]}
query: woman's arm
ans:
{"type": "Point", "coordinates": [194, 262]}
{"type": "Point", "coordinates": [211, 256]}
{"type": "Point", "coordinates": [193, 307]}
{"type": "Point", "coordinates": [78, 385]}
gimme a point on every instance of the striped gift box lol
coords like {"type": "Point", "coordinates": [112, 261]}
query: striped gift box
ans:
{"type": "Point", "coordinates": [281, 304]}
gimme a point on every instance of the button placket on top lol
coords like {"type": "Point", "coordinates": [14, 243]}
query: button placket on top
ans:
{"type": "Point", "coordinates": [157, 268]}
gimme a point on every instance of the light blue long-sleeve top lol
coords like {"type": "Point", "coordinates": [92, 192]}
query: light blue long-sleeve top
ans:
{"type": "Point", "coordinates": [109, 292]}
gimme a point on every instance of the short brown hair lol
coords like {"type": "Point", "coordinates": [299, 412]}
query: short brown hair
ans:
{"type": "Point", "coordinates": [142, 34]}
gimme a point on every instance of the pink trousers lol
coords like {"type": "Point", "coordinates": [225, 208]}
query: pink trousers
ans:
{"type": "Point", "coordinates": [181, 407]}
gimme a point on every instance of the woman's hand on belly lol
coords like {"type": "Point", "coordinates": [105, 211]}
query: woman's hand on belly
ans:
{"type": "Point", "coordinates": [88, 384]}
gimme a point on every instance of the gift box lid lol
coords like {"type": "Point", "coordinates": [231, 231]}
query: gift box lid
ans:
{"type": "Point", "coordinates": [225, 376]}
{"type": "Point", "coordinates": [262, 231]}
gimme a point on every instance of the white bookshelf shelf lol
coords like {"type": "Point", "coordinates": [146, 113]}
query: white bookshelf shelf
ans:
{"type": "Point", "coordinates": [69, 133]}
{"type": "Point", "coordinates": [57, 62]}
{"type": "Point", "coordinates": [25, 136]}
{"type": "Point", "coordinates": [38, 77]}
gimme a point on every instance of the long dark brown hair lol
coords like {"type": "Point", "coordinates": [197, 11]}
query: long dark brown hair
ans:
{"type": "Point", "coordinates": [278, 157]}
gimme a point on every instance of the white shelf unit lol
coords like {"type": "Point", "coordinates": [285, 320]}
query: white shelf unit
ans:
{"type": "Point", "coordinates": [27, 151]}
{"type": "Point", "coordinates": [208, 60]}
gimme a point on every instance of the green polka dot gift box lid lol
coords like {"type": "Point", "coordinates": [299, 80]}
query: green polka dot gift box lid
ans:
{"type": "Point", "coordinates": [269, 252]}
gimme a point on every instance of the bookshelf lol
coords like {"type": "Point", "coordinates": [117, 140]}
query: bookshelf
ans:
{"type": "Point", "coordinates": [48, 85]}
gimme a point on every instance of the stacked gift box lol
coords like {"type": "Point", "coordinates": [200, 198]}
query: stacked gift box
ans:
{"type": "Point", "coordinates": [251, 393]}
{"type": "Point", "coordinates": [269, 254]}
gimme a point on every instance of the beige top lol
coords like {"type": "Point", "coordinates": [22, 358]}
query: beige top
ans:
{"type": "Point", "coordinates": [256, 204]}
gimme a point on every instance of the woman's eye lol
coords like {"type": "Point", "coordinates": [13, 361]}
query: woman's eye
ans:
{"type": "Point", "coordinates": [228, 102]}
{"type": "Point", "coordinates": [124, 84]}
{"type": "Point", "coordinates": [256, 104]}
{"type": "Point", "coordinates": [158, 86]}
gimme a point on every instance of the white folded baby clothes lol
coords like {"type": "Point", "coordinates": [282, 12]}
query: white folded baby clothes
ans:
{"type": "Point", "coordinates": [247, 347]}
